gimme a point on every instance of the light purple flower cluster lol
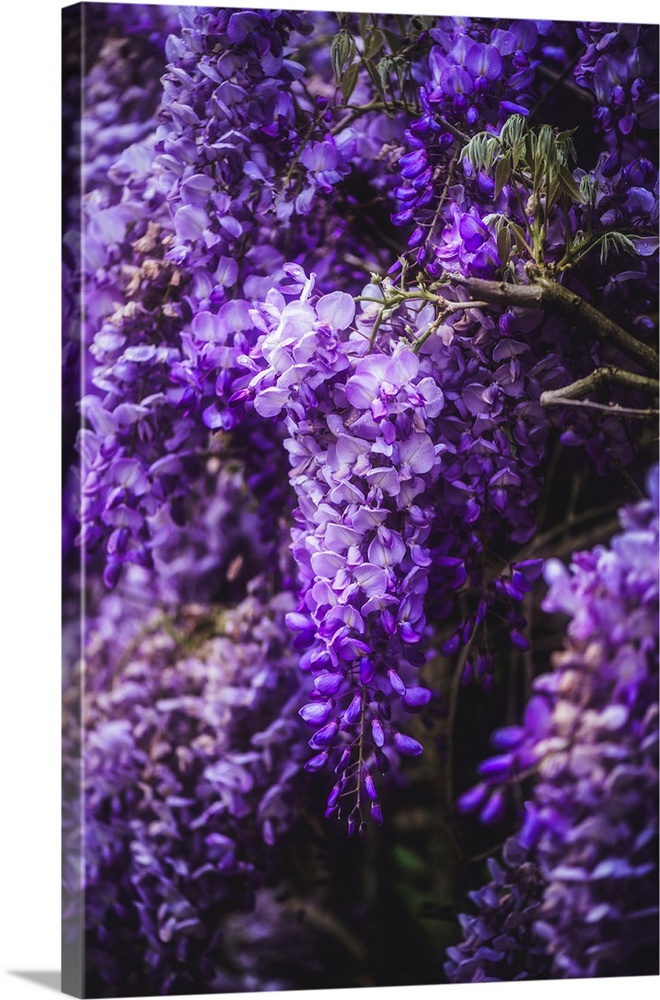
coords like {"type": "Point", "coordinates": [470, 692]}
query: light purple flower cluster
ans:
{"type": "Point", "coordinates": [145, 452]}
{"type": "Point", "coordinates": [137, 439]}
{"type": "Point", "coordinates": [119, 103]}
{"type": "Point", "coordinates": [191, 760]}
{"type": "Point", "coordinates": [120, 107]}
{"type": "Point", "coordinates": [253, 150]}
{"type": "Point", "coordinates": [179, 240]}
{"type": "Point", "coordinates": [133, 317]}
{"type": "Point", "coordinates": [590, 738]}
{"type": "Point", "coordinates": [360, 440]}
{"type": "Point", "coordinates": [227, 100]}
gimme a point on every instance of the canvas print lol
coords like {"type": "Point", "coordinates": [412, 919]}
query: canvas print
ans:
{"type": "Point", "coordinates": [360, 509]}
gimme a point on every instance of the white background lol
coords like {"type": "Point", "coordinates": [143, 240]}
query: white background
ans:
{"type": "Point", "coordinates": [30, 488]}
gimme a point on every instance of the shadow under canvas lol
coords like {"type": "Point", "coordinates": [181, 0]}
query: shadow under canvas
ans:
{"type": "Point", "coordinates": [50, 980]}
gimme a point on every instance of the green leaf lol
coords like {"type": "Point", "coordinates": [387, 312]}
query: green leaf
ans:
{"type": "Point", "coordinates": [553, 190]}
{"type": "Point", "coordinates": [568, 185]}
{"type": "Point", "coordinates": [615, 243]}
{"type": "Point", "coordinates": [470, 151]}
{"type": "Point", "coordinates": [409, 860]}
{"type": "Point", "coordinates": [492, 148]}
{"type": "Point", "coordinates": [373, 44]}
{"type": "Point", "coordinates": [609, 243]}
{"type": "Point", "coordinates": [546, 144]}
{"type": "Point", "coordinates": [504, 244]}
{"type": "Point", "coordinates": [513, 130]}
{"type": "Point", "coordinates": [393, 40]}
{"type": "Point", "coordinates": [385, 67]}
{"type": "Point", "coordinates": [481, 151]}
{"type": "Point", "coordinates": [400, 65]}
{"type": "Point", "coordinates": [336, 57]}
{"type": "Point", "coordinates": [349, 80]}
{"type": "Point", "coordinates": [520, 237]}
{"type": "Point", "coordinates": [544, 157]}
{"type": "Point", "coordinates": [424, 21]}
{"type": "Point", "coordinates": [502, 174]}
{"type": "Point", "coordinates": [376, 80]}
{"type": "Point", "coordinates": [518, 153]}
{"type": "Point", "coordinates": [588, 188]}
{"type": "Point", "coordinates": [342, 51]}
{"type": "Point", "coordinates": [495, 220]}
{"type": "Point", "coordinates": [567, 151]}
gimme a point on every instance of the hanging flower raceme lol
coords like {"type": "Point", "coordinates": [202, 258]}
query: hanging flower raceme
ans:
{"type": "Point", "coordinates": [620, 67]}
{"type": "Point", "coordinates": [590, 740]}
{"type": "Point", "coordinates": [248, 152]}
{"type": "Point", "coordinates": [500, 943]}
{"type": "Point", "coordinates": [362, 452]}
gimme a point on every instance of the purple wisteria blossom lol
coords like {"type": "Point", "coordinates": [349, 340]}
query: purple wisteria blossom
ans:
{"type": "Point", "coordinates": [181, 808]}
{"type": "Point", "coordinates": [359, 350]}
{"type": "Point", "coordinates": [479, 73]}
{"type": "Point", "coordinates": [362, 461]}
{"type": "Point", "coordinates": [590, 739]}
{"type": "Point", "coordinates": [500, 943]}
{"type": "Point", "coordinates": [620, 67]}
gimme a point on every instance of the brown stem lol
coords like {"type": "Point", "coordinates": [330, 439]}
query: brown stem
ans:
{"type": "Point", "coordinates": [456, 132]}
{"type": "Point", "coordinates": [528, 656]}
{"type": "Point", "coordinates": [544, 542]}
{"type": "Point", "coordinates": [454, 692]}
{"type": "Point", "coordinates": [544, 293]}
{"type": "Point", "coordinates": [599, 533]}
{"type": "Point", "coordinates": [612, 408]}
{"type": "Point", "coordinates": [599, 377]}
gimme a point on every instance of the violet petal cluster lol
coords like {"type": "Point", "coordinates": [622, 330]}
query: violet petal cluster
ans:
{"type": "Point", "coordinates": [192, 765]}
{"type": "Point", "coordinates": [590, 739]}
{"type": "Point", "coordinates": [362, 460]}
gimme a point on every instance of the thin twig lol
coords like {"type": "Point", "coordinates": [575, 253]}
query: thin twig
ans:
{"type": "Point", "coordinates": [598, 533]}
{"type": "Point", "coordinates": [528, 656]}
{"type": "Point", "coordinates": [613, 408]}
{"type": "Point", "coordinates": [544, 293]}
{"type": "Point", "coordinates": [559, 80]}
{"type": "Point", "coordinates": [447, 309]}
{"type": "Point", "coordinates": [456, 132]}
{"type": "Point", "coordinates": [355, 112]}
{"type": "Point", "coordinates": [599, 377]}
{"type": "Point", "coordinates": [451, 719]}
{"type": "Point", "coordinates": [538, 543]}
{"type": "Point", "coordinates": [443, 195]}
